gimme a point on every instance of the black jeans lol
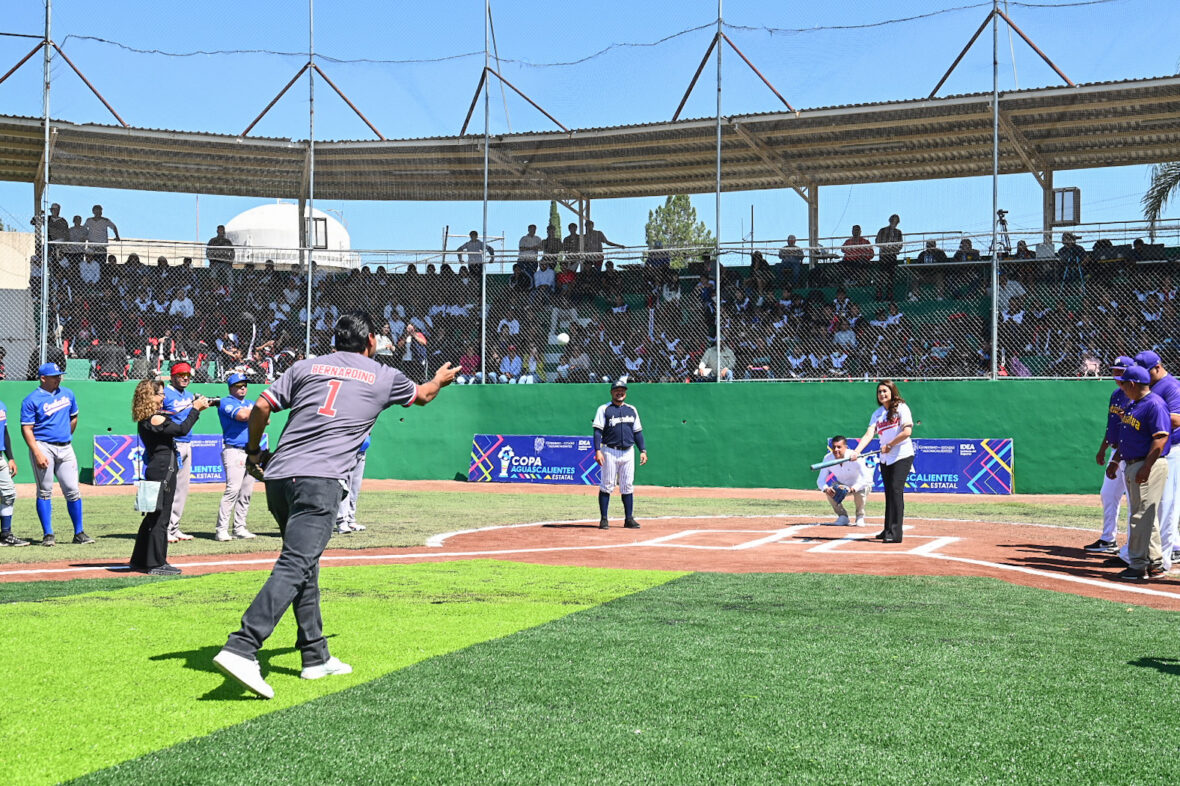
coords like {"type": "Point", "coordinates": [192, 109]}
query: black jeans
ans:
{"type": "Point", "coordinates": [894, 475]}
{"type": "Point", "coordinates": [305, 509]}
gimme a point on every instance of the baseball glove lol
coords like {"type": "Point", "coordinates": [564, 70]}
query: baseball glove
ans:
{"type": "Point", "coordinates": [256, 461]}
{"type": "Point", "coordinates": [839, 493]}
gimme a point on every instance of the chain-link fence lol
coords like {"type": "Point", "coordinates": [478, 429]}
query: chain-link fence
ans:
{"type": "Point", "coordinates": [557, 314]}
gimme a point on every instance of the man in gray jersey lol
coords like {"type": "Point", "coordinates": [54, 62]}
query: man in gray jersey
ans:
{"type": "Point", "coordinates": [334, 401]}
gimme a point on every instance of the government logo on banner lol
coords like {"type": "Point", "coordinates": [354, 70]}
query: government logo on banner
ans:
{"type": "Point", "coordinates": [531, 458]}
{"type": "Point", "coordinates": [955, 466]}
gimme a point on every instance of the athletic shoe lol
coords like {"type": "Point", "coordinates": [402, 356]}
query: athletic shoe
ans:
{"type": "Point", "coordinates": [49, 540]}
{"type": "Point", "coordinates": [1156, 572]}
{"type": "Point", "coordinates": [358, 527]}
{"type": "Point", "coordinates": [8, 539]}
{"type": "Point", "coordinates": [1176, 556]}
{"type": "Point", "coordinates": [1132, 574]}
{"type": "Point", "coordinates": [860, 522]}
{"type": "Point", "coordinates": [165, 570]}
{"type": "Point", "coordinates": [342, 529]}
{"type": "Point", "coordinates": [880, 535]}
{"type": "Point", "coordinates": [327, 669]}
{"type": "Point", "coordinates": [244, 534]}
{"type": "Point", "coordinates": [221, 536]}
{"type": "Point", "coordinates": [173, 539]}
{"type": "Point", "coordinates": [1114, 562]}
{"type": "Point", "coordinates": [245, 671]}
{"type": "Point", "coordinates": [603, 523]}
{"type": "Point", "coordinates": [82, 537]}
{"type": "Point", "coordinates": [631, 524]}
{"type": "Point", "coordinates": [182, 536]}
{"type": "Point", "coordinates": [1101, 546]}
{"type": "Point", "coordinates": [841, 521]}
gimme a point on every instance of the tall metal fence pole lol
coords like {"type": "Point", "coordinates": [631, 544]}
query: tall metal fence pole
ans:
{"type": "Point", "coordinates": [717, 209]}
{"type": "Point", "coordinates": [995, 267]}
{"type": "Point", "coordinates": [309, 233]}
{"type": "Point", "coordinates": [483, 256]}
{"type": "Point", "coordinates": [43, 226]}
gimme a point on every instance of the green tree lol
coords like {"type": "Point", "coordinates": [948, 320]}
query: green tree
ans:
{"type": "Point", "coordinates": [555, 219]}
{"type": "Point", "coordinates": [1165, 181]}
{"type": "Point", "coordinates": [674, 225]}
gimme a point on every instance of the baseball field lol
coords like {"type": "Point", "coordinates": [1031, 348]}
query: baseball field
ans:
{"type": "Point", "coordinates": [498, 636]}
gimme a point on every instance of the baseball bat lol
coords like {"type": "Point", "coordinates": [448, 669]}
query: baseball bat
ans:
{"type": "Point", "coordinates": [835, 461]}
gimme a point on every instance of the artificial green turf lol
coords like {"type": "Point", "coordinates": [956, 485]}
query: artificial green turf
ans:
{"type": "Point", "coordinates": [29, 591]}
{"type": "Point", "coordinates": [718, 678]}
{"type": "Point", "coordinates": [94, 679]}
{"type": "Point", "coordinates": [409, 518]}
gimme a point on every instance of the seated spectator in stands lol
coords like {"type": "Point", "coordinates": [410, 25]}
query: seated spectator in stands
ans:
{"type": "Point", "coordinates": [716, 365]}
{"type": "Point", "coordinates": [1008, 289]}
{"type": "Point", "coordinates": [841, 302]}
{"type": "Point", "coordinates": [931, 255]}
{"type": "Point", "coordinates": [520, 282]}
{"type": "Point", "coordinates": [670, 288]}
{"type": "Point", "coordinates": [845, 336]}
{"type": "Point", "coordinates": [528, 248]}
{"type": "Point", "coordinates": [385, 345]}
{"type": "Point", "coordinates": [619, 308]}
{"type": "Point", "coordinates": [510, 366]}
{"type": "Point", "coordinates": [656, 257]}
{"type": "Point", "coordinates": [475, 249]}
{"type": "Point", "coordinates": [469, 373]}
{"type": "Point", "coordinates": [181, 307]}
{"type": "Point", "coordinates": [533, 367]}
{"type": "Point", "coordinates": [109, 360]}
{"type": "Point", "coordinates": [544, 282]}
{"type": "Point", "coordinates": [89, 271]}
{"type": "Point", "coordinates": [858, 253]}
{"type": "Point", "coordinates": [610, 283]}
{"type": "Point", "coordinates": [574, 365]}
{"type": "Point", "coordinates": [791, 257]}
{"type": "Point", "coordinates": [967, 251]}
{"type": "Point", "coordinates": [510, 322]}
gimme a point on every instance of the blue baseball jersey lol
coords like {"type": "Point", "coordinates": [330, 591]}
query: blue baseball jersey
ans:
{"type": "Point", "coordinates": [234, 432]}
{"type": "Point", "coordinates": [49, 414]}
{"type": "Point", "coordinates": [1141, 422]}
{"type": "Point", "coordinates": [1114, 415]}
{"type": "Point", "coordinates": [176, 406]}
{"type": "Point", "coordinates": [620, 425]}
{"type": "Point", "coordinates": [1167, 387]}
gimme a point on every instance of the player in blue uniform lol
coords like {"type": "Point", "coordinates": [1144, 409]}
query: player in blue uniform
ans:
{"type": "Point", "coordinates": [234, 412]}
{"type": "Point", "coordinates": [177, 402]}
{"type": "Point", "coordinates": [346, 514]}
{"type": "Point", "coordinates": [7, 487]}
{"type": "Point", "coordinates": [617, 429]}
{"type": "Point", "coordinates": [48, 417]}
{"type": "Point", "coordinates": [1113, 488]}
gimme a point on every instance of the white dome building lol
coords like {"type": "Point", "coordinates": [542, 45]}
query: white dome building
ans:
{"type": "Point", "coordinates": [272, 232]}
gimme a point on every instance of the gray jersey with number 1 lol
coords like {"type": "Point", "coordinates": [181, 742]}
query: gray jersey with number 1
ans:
{"type": "Point", "coordinates": [334, 401]}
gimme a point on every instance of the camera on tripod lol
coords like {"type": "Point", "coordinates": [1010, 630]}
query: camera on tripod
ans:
{"type": "Point", "coordinates": [1001, 213]}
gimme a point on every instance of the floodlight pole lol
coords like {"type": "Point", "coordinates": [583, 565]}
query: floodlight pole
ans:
{"type": "Point", "coordinates": [309, 219]}
{"type": "Point", "coordinates": [483, 254]}
{"type": "Point", "coordinates": [995, 187]}
{"type": "Point", "coordinates": [717, 209]}
{"type": "Point", "coordinates": [43, 226]}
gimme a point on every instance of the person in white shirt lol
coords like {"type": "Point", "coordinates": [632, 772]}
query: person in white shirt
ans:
{"type": "Point", "coordinates": [851, 477]}
{"type": "Point", "coordinates": [892, 423]}
{"type": "Point", "coordinates": [529, 247]}
{"type": "Point", "coordinates": [98, 228]}
{"type": "Point", "coordinates": [1008, 289]}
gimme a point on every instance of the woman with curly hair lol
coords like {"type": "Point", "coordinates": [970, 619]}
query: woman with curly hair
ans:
{"type": "Point", "coordinates": [892, 424]}
{"type": "Point", "coordinates": [158, 433]}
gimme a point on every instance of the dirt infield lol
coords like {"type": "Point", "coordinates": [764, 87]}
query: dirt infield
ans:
{"type": "Point", "coordinates": [1045, 557]}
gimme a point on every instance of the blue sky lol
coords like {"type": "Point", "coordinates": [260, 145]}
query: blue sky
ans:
{"type": "Point", "coordinates": [222, 93]}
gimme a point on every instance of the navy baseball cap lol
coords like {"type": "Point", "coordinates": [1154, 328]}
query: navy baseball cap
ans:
{"type": "Point", "coordinates": [621, 382]}
{"type": "Point", "coordinates": [1123, 361]}
{"type": "Point", "coordinates": [1135, 374]}
{"type": "Point", "coordinates": [49, 370]}
{"type": "Point", "coordinates": [1147, 359]}
{"type": "Point", "coordinates": [234, 379]}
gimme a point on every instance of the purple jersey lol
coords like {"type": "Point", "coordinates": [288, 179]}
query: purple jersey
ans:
{"type": "Point", "coordinates": [1142, 421]}
{"type": "Point", "coordinates": [334, 401]}
{"type": "Point", "coordinates": [1167, 387]}
{"type": "Point", "coordinates": [1114, 415]}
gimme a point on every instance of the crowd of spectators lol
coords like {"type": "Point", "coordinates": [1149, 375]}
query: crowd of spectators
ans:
{"type": "Point", "coordinates": [859, 312]}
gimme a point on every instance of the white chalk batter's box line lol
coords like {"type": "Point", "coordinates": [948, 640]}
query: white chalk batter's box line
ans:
{"type": "Point", "coordinates": [786, 537]}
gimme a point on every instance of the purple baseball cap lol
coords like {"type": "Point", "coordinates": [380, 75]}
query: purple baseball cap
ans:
{"type": "Point", "coordinates": [1147, 359]}
{"type": "Point", "coordinates": [1135, 374]}
{"type": "Point", "coordinates": [1123, 361]}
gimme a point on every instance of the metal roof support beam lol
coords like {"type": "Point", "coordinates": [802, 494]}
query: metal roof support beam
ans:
{"type": "Point", "coordinates": [351, 106]}
{"type": "Point", "coordinates": [1028, 154]}
{"type": "Point", "coordinates": [758, 73]}
{"type": "Point", "coordinates": [692, 84]}
{"type": "Point", "coordinates": [275, 100]}
{"type": "Point", "coordinates": [478, 88]}
{"type": "Point", "coordinates": [22, 61]}
{"type": "Point", "coordinates": [695, 77]}
{"type": "Point", "coordinates": [770, 157]}
{"type": "Point", "coordinates": [1019, 32]}
{"type": "Point", "coordinates": [93, 89]}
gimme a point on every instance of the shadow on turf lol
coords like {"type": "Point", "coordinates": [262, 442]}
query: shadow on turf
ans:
{"type": "Point", "coordinates": [201, 659]}
{"type": "Point", "coordinates": [1164, 665]}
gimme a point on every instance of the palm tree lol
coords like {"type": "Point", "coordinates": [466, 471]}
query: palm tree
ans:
{"type": "Point", "coordinates": [1165, 181]}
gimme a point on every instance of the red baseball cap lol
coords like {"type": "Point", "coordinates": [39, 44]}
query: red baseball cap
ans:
{"type": "Point", "coordinates": [181, 368]}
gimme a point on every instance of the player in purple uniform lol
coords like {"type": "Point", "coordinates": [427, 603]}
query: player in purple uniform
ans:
{"type": "Point", "coordinates": [1144, 440]}
{"type": "Point", "coordinates": [1113, 488]}
{"type": "Point", "coordinates": [333, 402]}
{"type": "Point", "coordinates": [1167, 387]}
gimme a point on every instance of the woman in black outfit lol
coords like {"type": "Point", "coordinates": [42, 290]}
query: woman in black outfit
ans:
{"type": "Point", "coordinates": [158, 433]}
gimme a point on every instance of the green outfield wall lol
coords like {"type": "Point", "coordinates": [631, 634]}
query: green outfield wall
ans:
{"type": "Point", "coordinates": [743, 435]}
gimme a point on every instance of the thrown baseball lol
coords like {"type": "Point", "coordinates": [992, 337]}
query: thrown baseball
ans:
{"type": "Point", "coordinates": [563, 338]}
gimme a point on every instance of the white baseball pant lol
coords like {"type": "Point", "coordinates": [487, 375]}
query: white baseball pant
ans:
{"type": "Point", "coordinates": [618, 469]}
{"type": "Point", "coordinates": [239, 486]}
{"type": "Point", "coordinates": [7, 489]}
{"type": "Point", "coordinates": [346, 514]}
{"type": "Point", "coordinates": [63, 465]}
{"type": "Point", "coordinates": [1113, 492]}
{"type": "Point", "coordinates": [184, 452]}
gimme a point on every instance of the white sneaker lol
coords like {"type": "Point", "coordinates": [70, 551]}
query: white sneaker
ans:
{"type": "Point", "coordinates": [860, 521]}
{"type": "Point", "coordinates": [221, 536]}
{"type": "Point", "coordinates": [245, 671]}
{"type": "Point", "coordinates": [244, 534]}
{"type": "Point", "coordinates": [358, 527]}
{"type": "Point", "coordinates": [841, 521]}
{"type": "Point", "coordinates": [342, 529]}
{"type": "Point", "coordinates": [182, 535]}
{"type": "Point", "coordinates": [332, 666]}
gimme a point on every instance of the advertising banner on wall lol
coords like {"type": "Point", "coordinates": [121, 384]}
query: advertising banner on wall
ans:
{"type": "Point", "coordinates": [118, 459]}
{"type": "Point", "coordinates": [956, 466]}
{"type": "Point", "coordinates": [532, 458]}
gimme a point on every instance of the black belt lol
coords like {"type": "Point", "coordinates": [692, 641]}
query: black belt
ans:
{"type": "Point", "coordinates": [56, 444]}
{"type": "Point", "coordinates": [619, 447]}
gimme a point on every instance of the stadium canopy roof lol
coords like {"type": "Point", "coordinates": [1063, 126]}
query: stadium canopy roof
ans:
{"type": "Point", "coordinates": [1057, 128]}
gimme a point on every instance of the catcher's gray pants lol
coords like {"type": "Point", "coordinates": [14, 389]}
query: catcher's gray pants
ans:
{"type": "Point", "coordinates": [347, 512]}
{"type": "Point", "coordinates": [184, 452]}
{"type": "Point", "coordinates": [239, 486]}
{"type": "Point", "coordinates": [618, 469]}
{"type": "Point", "coordinates": [858, 499]}
{"type": "Point", "coordinates": [7, 489]}
{"type": "Point", "coordinates": [63, 465]}
{"type": "Point", "coordinates": [1143, 543]}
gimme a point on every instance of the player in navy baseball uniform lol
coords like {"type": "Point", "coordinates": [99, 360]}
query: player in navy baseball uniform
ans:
{"type": "Point", "coordinates": [48, 417]}
{"type": "Point", "coordinates": [7, 487]}
{"type": "Point", "coordinates": [177, 401]}
{"type": "Point", "coordinates": [234, 412]}
{"type": "Point", "coordinates": [333, 402]}
{"type": "Point", "coordinates": [1113, 488]}
{"type": "Point", "coordinates": [617, 429]}
{"type": "Point", "coordinates": [1144, 442]}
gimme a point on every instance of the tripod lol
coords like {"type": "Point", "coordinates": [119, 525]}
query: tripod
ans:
{"type": "Point", "coordinates": [1004, 240]}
